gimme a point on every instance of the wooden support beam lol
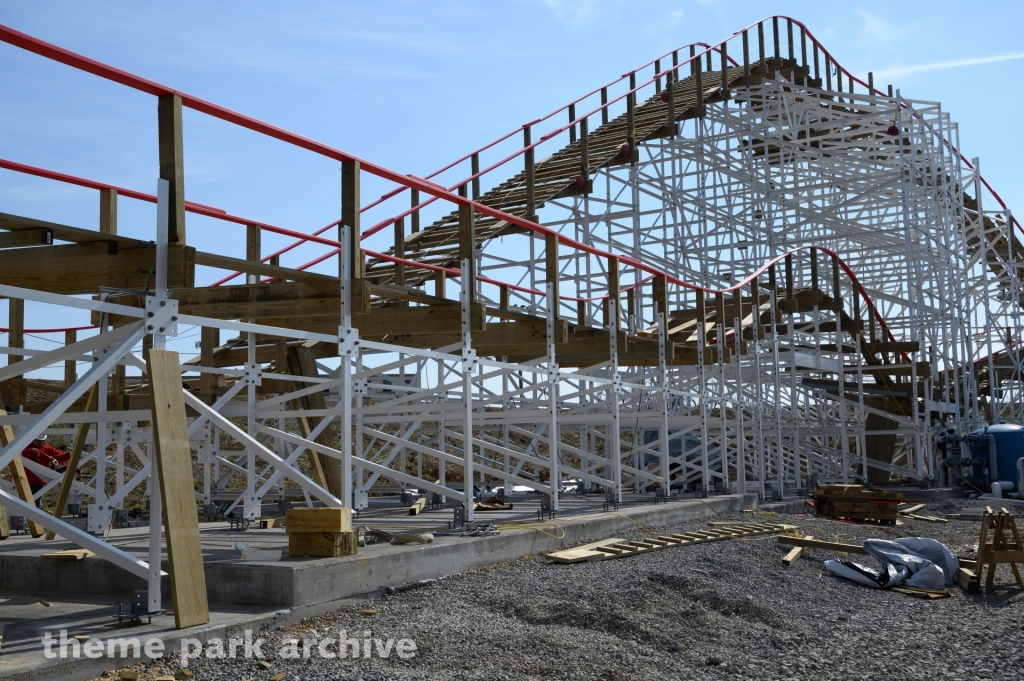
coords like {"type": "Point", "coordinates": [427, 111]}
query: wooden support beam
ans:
{"type": "Point", "coordinates": [224, 262]}
{"type": "Point", "coordinates": [209, 340]}
{"type": "Point", "coordinates": [350, 207]}
{"type": "Point", "coordinates": [177, 490]}
{"type": "Point", "coordinates": [551, 268]}
{"type": "Point", "coordinates": [90, 266]}
{"type": "Point", "coordinates": [614, 293]}
{"type": "Point", "coordinates": [17, 471]}
{"type": "Point", "coordinates": [531, 183]}
{"type": "Point", "coordinates": [253, 247]}
{"type": "Point", "coordinates": [739, 344]}
{"type": "Point", "coordinates": [74, 458]}
{"type": "Point", "coordinates": [467, 243]}
{"type": "Point", "coordinates": [327, 469]}
{"type": "Point", "coordinates": [661, 295]}
{"type": "Point", "coordinates": [15, 328]}
{"type": "Point", "coordinates": [415, 217]}
{"type": "Point", "coordinates": [504, 301]}
{"type": "Point", "coordinates": [40, 236]}
{"type": "Point", "coordinates": [581, 312]}
{"type": "Point", "coordinates": [70, 365]}
{"type": "Point", "coordinates": [400, 251]}
{"type": "Point", "coordinates": [172, 162]}
{"type": "Point", "coordinates": [108, 212]}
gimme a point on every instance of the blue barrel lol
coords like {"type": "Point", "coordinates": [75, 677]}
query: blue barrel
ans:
{"type": "Point", "coordinates": [1009, 440]}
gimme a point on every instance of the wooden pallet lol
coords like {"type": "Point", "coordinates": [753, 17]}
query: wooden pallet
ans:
{"type": "Point", "coordinates": [620, 548]}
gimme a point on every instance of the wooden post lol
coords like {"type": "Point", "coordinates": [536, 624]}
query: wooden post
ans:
{"type": "Point", "coordinates": [209, 340]}
{"type": "Point", "coordinates": [746, 58]}
{"type": "Point", "coordinates": [581, 313]}
{"type": "Point", "coordinates": [720, 323]}
{"type": "Point", "coordinates": [531, 197]}
{"type": "Point", "coordinates": [399, 251]}
{"type": "Point", "coordinates": [760, 46]}
{"type": "Point", "coordinates": [789, 280]}
{"type": "Point", "coordinates": [70, 366]}
{"type": "Point", "coordinates": [177, 489]}
{"type": "Point", "coordinates": [15, 332]}
{"type": "Point", "coordinates": [551, 267]}
{"type": "Point", "coordinates": [837, 292]}
{"type": "Point", "coordinates": [108, 211]}
{"type": "Point", "coordinates": [657, 78]}
{"type": "Point", "coordinates": [415, 201]}
{"type": "Point", "coordinates": [172, 162]}
{"type": "Point", "coordinates": [739, 344]}
{"type": "Point", "coordinates": [702, 318]}
{"type": "Point", "coordinates": [725, 69]}
{"type": "Point", "coordinates": [604, 106]}
{"type": "Point", "coordinates": [670, 93]}
{"type": "Point", "coordinates": [775, 37]}
{"type": "Point", "coordinates": [74, 458]}
{"type": "Point", "coordinates": [698, 78]}
{"type": "Point", "coordinates": [17, 471]}
{"type": "Point", "coordinates": [584, 153]}
{"type": "Point", "coordinates": [789, 36]}
{"type": "Point", "coordinates": [661, 295]}
{"type": "Point", "coordinates": [614, 293]}
{"type": "Point", "coordinates": [505, 303]}
{"type": "Point", "coordinates": [572, 123]}
{"type": "Point", "coordinates": [474, 166]}
{"type": "Point", "coordinates": [350, 207]}
{"type": "Point", "coordinates": [757, 332]}
{"type": "Point", "coordinates": [439, 277]}
{"type": "Point", "coordinates": [631, 114]}
{"type": "Point", "coordinates": [253, 248]}
{"type": "Point", "coordinates": [467, 243]}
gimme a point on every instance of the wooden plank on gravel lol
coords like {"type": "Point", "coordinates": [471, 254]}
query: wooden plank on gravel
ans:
{"type": "Point", "coordinates": [808, 542]}
{"type": "Point", "coordinates": [584, 553]}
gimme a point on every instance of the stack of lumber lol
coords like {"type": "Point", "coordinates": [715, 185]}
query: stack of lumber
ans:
{"type": "Point", "coordinates": [320, 532]}
{"type": "Point", "coordinates": [853, 502]}
{"type": "Point", "coordinates": [620, 548]}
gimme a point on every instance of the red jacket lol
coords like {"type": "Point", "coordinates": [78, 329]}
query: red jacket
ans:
{"type": "Point", "coordinates": [46, 456]}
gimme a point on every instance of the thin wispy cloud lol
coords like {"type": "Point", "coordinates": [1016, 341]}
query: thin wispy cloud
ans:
{"type": "Point", "coordinates": [938, 66]}
{"type": "Point", "coordinates": [575, 13]}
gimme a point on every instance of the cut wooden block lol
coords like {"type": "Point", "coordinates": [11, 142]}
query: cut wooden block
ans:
{"type": "Point", "coordinates": [968, 580]}
{"type": "Point", "coordinates": [323, 544]}
{"type": "Point", "coordinates": [795, 553]}
{"type": "Point", "coordinates": [5, 530]}
{"type": "Point", "coordinates": [68, 554]}
{"type": "Point", "coordinates": [177, 489]}
{"type": "Point", "coordinates": [299, 520]}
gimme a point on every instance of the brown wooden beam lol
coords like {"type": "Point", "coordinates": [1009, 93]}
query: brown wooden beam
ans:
{"type": "Point", "coordinates": [39, 236]}
{"type": "Point", "coordinates": [84, 271]}
{"type": "Point", "coordinates": [172, 163]}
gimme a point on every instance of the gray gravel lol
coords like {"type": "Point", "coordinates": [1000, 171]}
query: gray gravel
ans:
{"type": "Point", "coordinates": [727, 609]}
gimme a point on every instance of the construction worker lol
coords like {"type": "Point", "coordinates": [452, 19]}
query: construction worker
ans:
{"type": "Point", "coordinates": [44, 455]}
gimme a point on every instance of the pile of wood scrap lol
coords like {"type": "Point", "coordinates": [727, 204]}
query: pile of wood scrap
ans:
{"type": "Point", "coordinates": [620, 548]}
{"type": "Point", "coordinates": [911, 512]}
{"type": "Point", "coordinates": [853, 502]}
{"type": "Point", "coordinates": [492, 504]}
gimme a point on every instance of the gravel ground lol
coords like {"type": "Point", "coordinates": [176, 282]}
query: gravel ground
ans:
{"type": "Point", "coordinates": [726, 609]}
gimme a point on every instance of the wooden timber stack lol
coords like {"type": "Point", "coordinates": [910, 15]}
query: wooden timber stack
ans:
{"type": "Point", "coordinates": [853, 502]}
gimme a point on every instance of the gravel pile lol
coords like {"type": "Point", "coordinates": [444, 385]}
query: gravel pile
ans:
{"type": "Point", "coordinates": [726, 609]}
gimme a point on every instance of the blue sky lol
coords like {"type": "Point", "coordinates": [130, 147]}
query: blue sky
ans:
{"type": "Point", "coordinates": [413, 85]}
